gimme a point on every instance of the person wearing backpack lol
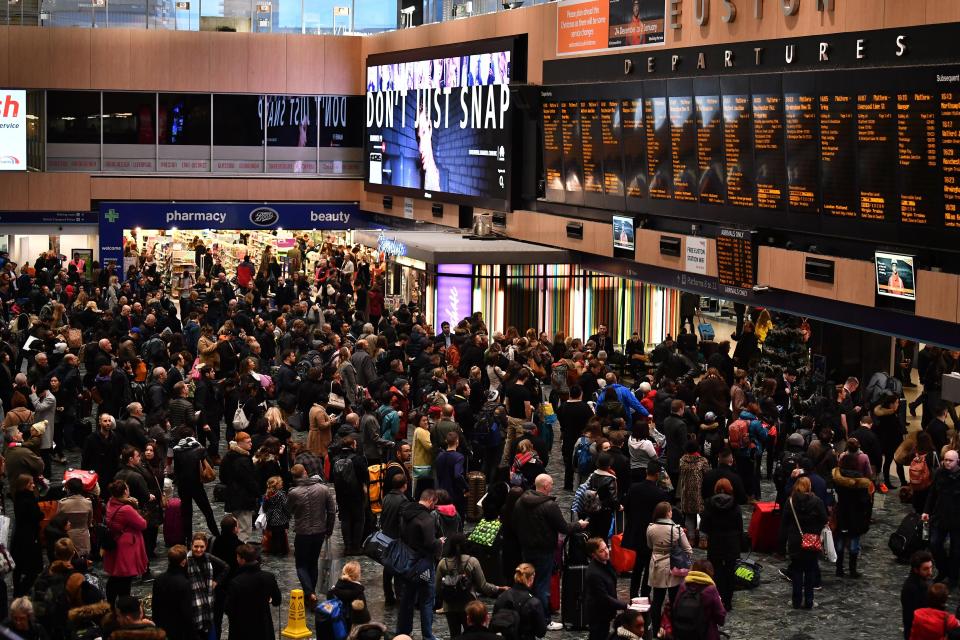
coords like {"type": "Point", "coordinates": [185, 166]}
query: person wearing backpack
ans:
{"type": "Point", "coordinates": [853, 512]}
{"type": "Point", "coordinates": [602, 603]}
{"type": "Point", "coordinates": [350, 478]}
{"type": "Point", "coordinates": [476, 629]}
{"type": "Point", "coordinates": [923, 465]}
{"type": "Point", "coordinates": [458, 581]}
{"type": "Point", "coordinates": [747, 438]}
{"type": "Point", "coordinates": [517, 614]}
{"type": "Point", "coordinates": [698, 613]}
{"type": "Point", "coordinates": [790, 460]}
{"type": "Point", "coordinates": [664, 539]}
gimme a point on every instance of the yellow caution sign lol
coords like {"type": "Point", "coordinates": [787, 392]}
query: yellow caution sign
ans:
{"type": "Point", "coordinates": [296, 619]}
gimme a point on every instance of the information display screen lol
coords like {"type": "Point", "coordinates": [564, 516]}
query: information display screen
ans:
{"type": "Point", "coordinates": [439, 122]}
{"type": "Point", "coordinates": [623, 233]}
{"type": "Point", "coordinates": [736, 260]}
{"type": "Point", "coordinates": [896, 277]}
{"type": "Point", "coordinates": [832, 150]}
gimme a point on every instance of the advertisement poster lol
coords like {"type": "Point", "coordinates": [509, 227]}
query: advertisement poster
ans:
{"type": "Point", "coordinates": [597, 25]}
{"type": "Point", "coordinates": [13, 130]}
{"type": "Point", "coordinates": [895, 276]}
{"type": "Point", "coordinates": [440, 128]}
{"type": "Point", "coordinates": [454, 293]}
{"type": "Point", "coordinates": [695, 260]}
{"type": "Point", "coordinates": [623, 233]}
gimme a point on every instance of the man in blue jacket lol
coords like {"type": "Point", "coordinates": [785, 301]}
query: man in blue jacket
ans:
{"type": "Point", "coordinates": [626, 398]}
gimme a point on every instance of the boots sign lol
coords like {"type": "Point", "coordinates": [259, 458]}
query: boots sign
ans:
{"type": "Point", "coordinates": [13, 130]}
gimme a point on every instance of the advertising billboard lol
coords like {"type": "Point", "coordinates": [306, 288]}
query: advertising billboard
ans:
{"type": "Point", "coordinates": [13, 130]}
{"type": "Point", "coordinates": [598, 25]}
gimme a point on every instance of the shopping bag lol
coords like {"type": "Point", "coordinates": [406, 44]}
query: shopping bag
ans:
{"type": "Point", "coordinates": [330, 569]}
{"type": "Point", "coordinates": [829, 549]}
{"type": "Point", "coordinates": [261, 522]}
{"type": "Point", "coordinates": [621, 559]}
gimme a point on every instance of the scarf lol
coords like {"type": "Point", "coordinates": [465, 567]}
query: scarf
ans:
{"type": "Point", "coordinates": [200, 572]}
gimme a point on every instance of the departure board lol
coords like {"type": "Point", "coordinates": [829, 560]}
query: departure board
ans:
{"type": "Point", "coordinates": [738, 146]}
{"type": "Point", "coordinates": [837, 161]}
{"type": "Point", "coordinates": [634, 161]}
{"type": "Point", "coordinates": [768, 150]}
{"type": "Point", "coordinates": [876, 156]}
{"type": "Point", "coordinates": [610, 132]}
{"type": "Point", "coordinates": [736, 260]}
{"type": "Point", "coordinates": [591, 147]}
{"type": "Point", "coordinates": [802, 147]}
{"type": "Point", "coordinates": [552, 146]}
{"type": "Point", "coordinates": [919, 175]}
{"type": "Point", "coordinates": [683, 141]}
{"type": "Point", "coordinates": [950, 151]}
{"type": "Point", "coordinates": [659, 161]}
{"type": "Point", "coordinates": [570, 128]}
{"type": "Point", "coordinates": [710, 149]}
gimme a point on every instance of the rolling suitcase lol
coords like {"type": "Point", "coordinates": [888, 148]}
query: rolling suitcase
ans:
{"type": "Point", "coordinates": [573, 613]}
{"type": "Point", "coordinates": [555, 592]}
{"type": "Point", "coordinates": [907, 538]}
{"type": "Point", "coordinates": [172, 523]}
{"type": "Point", "coordinates": [765, 527]}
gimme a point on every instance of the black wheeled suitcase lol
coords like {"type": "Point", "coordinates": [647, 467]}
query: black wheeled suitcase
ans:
{"type": "Point", "coordinates": [491, 561]}
{"type": "Point", "coordinates": [573, 582]}
{"type": "Point", "coordinates": [907, 538]}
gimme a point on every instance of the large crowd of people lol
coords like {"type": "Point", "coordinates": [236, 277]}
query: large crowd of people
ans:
{"type": "Point", "coordinates": [309, 406]}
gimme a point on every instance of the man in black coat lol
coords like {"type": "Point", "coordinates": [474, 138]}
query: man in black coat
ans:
{"type": "Point", "coordinates": [240, 477]}
{"type": "Point", "coordinates": [638, 507]}
{"type": "Point", "coordinates": [101, 451]}
{"type": "Point", "coordinates": [418, 530]}
{"type": "Point", "coordinates": [573, 416]}
{"type": "Point", "coordinates": [913, 594]}
{"type": "Point", "coordinates": [187, 457]}
{"type": "Point", "coordinates": [249, 596]}
{"type": "Point", "coordinates": [941, 510]}
{"type": "Point", "coordinates": [393, 505]}
{"type": "Point", "coordinates": [675, 429]}
{"type": "Point", "coordinates": [173, 597]}
{"type": "Point", "coordinates": [869, 442]}
{"type": "Point", "coordinates": [938, 429]}
{"type": "Point", "coordinates": [602, 603]}
{"type": "Point", "coordinates": [725, 469]}
{"type": "Point", "coordinates": [208, 400]}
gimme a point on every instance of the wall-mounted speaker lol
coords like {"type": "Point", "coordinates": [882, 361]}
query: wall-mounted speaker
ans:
{"type": "Point", "coordinates": [818, 269]}
{"type": "Point", "coordinates": [388, 202]}
{"type": "Point", "coordinates": [670, 246]}
{"type": "Point", "coordinates": [437, 210]}
{"type": "Point", "coordinates": [575, 230]}
{"type": "Point", "coordinates": [499, 219]}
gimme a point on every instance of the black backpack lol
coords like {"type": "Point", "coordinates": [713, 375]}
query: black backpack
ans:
{"type": "Point", "coordinates": [689, 622]}
{"type": "Point", "coordinates": [457, 587]}
{"type": "Point", "coordinates": [505, 621]}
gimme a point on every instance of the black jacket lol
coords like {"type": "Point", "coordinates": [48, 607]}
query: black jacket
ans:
{"type": "Point", "coordinates": [854, 502]}
{"type": "Point", "coordinates": [723, 522]}
{"type": "Point", "coordinates": [249, 597]}
{"type": "Point", "coordinates": [101, 455]}
{"type": "Point", "coordinates": [573, 417]}
{"type": "Point", "coordinates": [238, 473]}
{"type": "Point", "coordinates": [537, 520]}
{"type": "Point", "coordinates": [186, 465]}
{"type": "Point", "coordinates": [478, 633]}
{"type": "Point", "coordinates": [173, 603]}
{"type": "Point", "coordinates": [943, 499]}
{"type": "Point", "coordinates": [811, 514]}
{"type": "Point", "coordinates": [602, 603]}
{"type": "Point", "coordinates": [393, 504]}
{"type": "Point", "coordinates": [723, 471]}
{"type": "Point", "coordinates": [132, 431]}
{"type": "Point", "coordinates": [675, 429]}
{"type": "Point", "coordinates": [913, 596]}
{"type": "Point", "coordinates": [418, 530]}
{"type": "Point", "coordinates": [638, 507]}
{"type": "Point", "coordinates": [870, 445]}
{"type": "Point", "coordinates": [532, 622]}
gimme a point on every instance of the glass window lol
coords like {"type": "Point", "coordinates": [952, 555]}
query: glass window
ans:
{"type": "Point", "coordinates": [184, 119]}
{"type": "Point", "coordinates": [375, 15]}
{"type": "Point", "coordinates": [238, 133]}
{"type": "Point", "coordinates": [73, 117]}
{"type": "Point", "coordinates": [184, 124]}
{"type": "Point", "coordinates": [73, 131]}
{"type": "Point", "coordinates": [129, 118]}
{"type": "Point", "coordinates": [291, 134]}
{"type": "Point", "coordinates": [35, 147]}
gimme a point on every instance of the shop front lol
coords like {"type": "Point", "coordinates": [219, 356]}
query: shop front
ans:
{"type": "Point", "coordinates": [71, 234]}
{"type": "Point", "coordinates": [172, 232]}
{"type": "Point", "coordinates": [517, 284]}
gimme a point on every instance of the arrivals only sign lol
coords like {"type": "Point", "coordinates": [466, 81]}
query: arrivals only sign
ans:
{"type": "Point", "coordinates": [13, 130]}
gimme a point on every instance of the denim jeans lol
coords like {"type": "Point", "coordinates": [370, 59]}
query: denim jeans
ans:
{"type": "Point", "coordinates": [306, 554]}
{"type": "Point", "coordinates": [417, 592]}
{"type": "Point", "coordinates": [542, 562]}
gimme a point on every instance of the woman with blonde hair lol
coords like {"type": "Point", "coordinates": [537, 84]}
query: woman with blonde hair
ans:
{"type": "Point", "coordinates": [349, 590]}
{"type": "Point", "coordinates": [533, 620]}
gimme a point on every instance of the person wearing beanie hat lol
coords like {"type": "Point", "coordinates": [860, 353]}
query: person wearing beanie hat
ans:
{"type": "Point", "coordinates": [240, 477]}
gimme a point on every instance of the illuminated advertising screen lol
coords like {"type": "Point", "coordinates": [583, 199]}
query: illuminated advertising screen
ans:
{"type": "Point", "coordinates": [13, 130]}
{"type": "Point", "coordinates": [623, 234]}
{"type": "Point", "coordinates": [438, 123]}
{"type": "Point", "coordinates": [454, 293]}
{"type": "Point", "coordinates": [896, 277]}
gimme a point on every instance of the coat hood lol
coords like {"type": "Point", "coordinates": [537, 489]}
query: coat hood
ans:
{"type": "Point", "coordinates": [722, 502]}
{"type": "Point", "coordinates": [236, 448]}
{"type": "Point", "coordinates": [186, 443]}
{"type": "Point", "coordinates": [412, 511]}
{"type": "Point", "coordinates": [89, 613]}
{"type": "Point", "coordinates": [142, 633]}
{"type": "Point", "coordinates": [448, 510]}
{"type": "Point", "coordinates": [534, 499]}
{"type": "Point", "coordinates": [850, 479]}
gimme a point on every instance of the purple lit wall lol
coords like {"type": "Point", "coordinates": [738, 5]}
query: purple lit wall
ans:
{"type": "Point", "coordinates": [454, 294]}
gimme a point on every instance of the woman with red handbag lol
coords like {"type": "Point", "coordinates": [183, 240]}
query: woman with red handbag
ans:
{"type": "Point", "coordinates": [803, 519]}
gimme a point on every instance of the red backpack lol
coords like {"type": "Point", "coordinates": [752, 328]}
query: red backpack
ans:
{"type": "Point", "coordinates": [919, 472]}
{"type": "Point", "coordinates": [739, 435]}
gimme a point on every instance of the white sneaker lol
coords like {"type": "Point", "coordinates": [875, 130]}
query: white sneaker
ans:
{"type": "Point", "coordinates": [554, 626]}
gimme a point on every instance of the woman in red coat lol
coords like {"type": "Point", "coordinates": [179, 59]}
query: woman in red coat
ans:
{"type": "Point", "coordinates": [125, 525]}
{"type": "Point", "coordinates": [933, 622]}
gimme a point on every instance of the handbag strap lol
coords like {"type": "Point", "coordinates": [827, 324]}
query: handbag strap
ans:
{"type": "Point", "coordinates": [793, 510]}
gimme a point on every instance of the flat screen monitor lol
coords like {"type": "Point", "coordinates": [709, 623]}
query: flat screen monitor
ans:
{"type": "Point", "coordinates": [896, 276]}
{"type": "Point", "coordinates": [623, 233]}
{"type": "Point", "coordinates": [439, 122]}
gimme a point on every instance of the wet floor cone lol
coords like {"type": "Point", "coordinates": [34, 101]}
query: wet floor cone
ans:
{"type": "Point", "coordinates": [296, 618]}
